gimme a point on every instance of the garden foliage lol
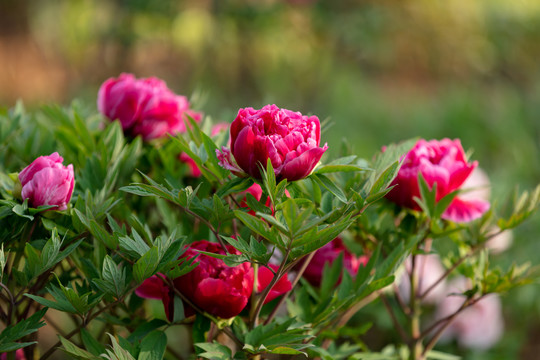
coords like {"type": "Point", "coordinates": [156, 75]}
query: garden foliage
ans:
{"type": "Point", "coordinates": [269, 248]}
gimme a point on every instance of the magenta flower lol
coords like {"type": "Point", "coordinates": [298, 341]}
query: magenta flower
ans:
{"type": "Point", "coordinates": [327, 255]}
{"type": "Point", "coordinates": [155, 288]}
{"type": "Point", "coordinates": [19, 355]}
{"type": "Point", "coordinates": [265, 276]}
{"type": "Point", "coordinates": [289, 139]}
{"type": "Point", "coordinates": [145, 107]}
{"type": "Point", "coordinates": [442, 162]}
{"type": "Point", "coordinates": [47, 182]}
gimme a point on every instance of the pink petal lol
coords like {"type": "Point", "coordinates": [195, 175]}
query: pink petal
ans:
{"type": "Point", "coordinates": [465, 210]}
{"type": "Point", "coordinates": [302, 166]}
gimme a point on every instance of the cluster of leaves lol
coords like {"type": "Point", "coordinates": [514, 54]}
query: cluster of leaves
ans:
{"type": "Point", "coordinates": [135, 208]}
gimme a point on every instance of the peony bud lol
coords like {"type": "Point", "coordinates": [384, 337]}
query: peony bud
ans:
{"type": "Point", "coordinates": [145, 107]}
{"type": "Point", "coordinates": [47, 182]}
{"type": "Point", "coordinates": [443, 163]}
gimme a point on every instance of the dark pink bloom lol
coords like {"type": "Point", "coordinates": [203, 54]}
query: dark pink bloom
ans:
{"type": "Point", "coordinates": [47, 182]}
{"type": "Point", "coordinates": [155, 288]}
{"type": "Point", "coordinates": [327, 255]}
{"type": "Point", "coordinates": [194, 170]}
{"type": "Point", "coordinates": [212, 286]}
{"type": "Point", "coordinates": [265, 276]}
{"type": "Point", "coordinates": [19, 355]}
{"type": "Point", "coordinates": [289, 139]}
{"type": "Point", "coordinates": [145, 107]}
{"type": "Point", "coordinates": [442, 162]}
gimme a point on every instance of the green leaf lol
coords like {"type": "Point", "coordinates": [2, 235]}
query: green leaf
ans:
{"type": "Point", "coordinates": [146, 266]}
{"type": "Point", "coordinates": [113, 279]}
{"type": "Point", "coordinates": [254, 223]}
{"type": "Point", "coordinates": [19, 330]}
{"type": "Point", "coordinates": [234, 186]}
{"type": "Point", "coordinates": [385, 179]}
{"type": "Point", "coordinates": [153, 346]}
{"type": "Point", "coordinates": [145, 328]}
{"type": "Point", "coordinates": [75, 351]}
{"type": "Point", "coordinates": [200, 328]}
{"type": "Point", "coordinates": [428, 196]}
{"type": "Point", "coordinates": [214, 351]}
{"type": "Point", "coordinates": [330, 186]}
{"type": "Point", "coordinates": [91, 344]}
{"type": "Point", "coordinates": [60, 304]}
{"type": "Point", "coordinates": [135, 246]}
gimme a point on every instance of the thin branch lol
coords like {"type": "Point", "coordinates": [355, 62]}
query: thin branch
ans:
{"type": "Point", "coordinates": [393, 316]}
{"type": "Point", "coordinates": [346, 316]}
{"type": "Point", "coordinates": [403, 306]}
{"type": "Point", "coordinates": [293, 284]}
{"type": "Point", "coordinates": [227, 331]}
{"type": "Point", "coordinates": [86, 321]}
{"type": "Point", "coordinates": [266, 291]}
{"type": "Point", "coordinates": [431, 344]}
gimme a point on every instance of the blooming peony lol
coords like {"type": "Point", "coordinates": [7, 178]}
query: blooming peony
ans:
{"type": "Point", "coordinates": [212, 286]}
{"type": "Point", "coordinates": [145, 107]}
{"type": "Point", "coordinates": [47, 182]}
{"type": "Point", "coordinates": [289, 139]}
{"type": "Point", "coordinates": [443, 163]}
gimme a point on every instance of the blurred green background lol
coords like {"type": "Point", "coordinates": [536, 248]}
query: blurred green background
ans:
{"type": "Point", "coordinates": [381, 70]}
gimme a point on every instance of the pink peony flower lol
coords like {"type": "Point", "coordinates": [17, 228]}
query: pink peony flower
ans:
{"type": "Point", "coordinates": [47, 182]}
{"type": "Point", "coordinates": [265, 276]}
{"type": "Point", "coordinates": [479, 326]}
{"type": "Point", "coordinates": [289, 139]}
{"type": "Point", "coordinates": [428, 269]}
{"type": "Point", "coordinates": [19, 355]}
{"type": "Point", "coordinates": [327, 255]}
{"type": "Point", "coordinates": [145, 107]}
{"type": "Point", "coordinates": [442, 162]}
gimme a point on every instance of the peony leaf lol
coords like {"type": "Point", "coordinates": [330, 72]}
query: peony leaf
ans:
{"type": "Point", "coordinates": [330, 186]}
{"type": "Point", "coordinates": [74, 351]}
{"type": "Point", "coordinates": [153, 346]}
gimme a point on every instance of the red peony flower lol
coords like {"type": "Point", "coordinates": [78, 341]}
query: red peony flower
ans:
{"type": "Point", "coordinates": [47, 182]}
{"type": "Point", "coordinates": [327, 255]}
{"type": "Point", "coordinates": [265, 276]}
{"type": "Point", "coordinates": [214, 287]}
{"type": "Point", "coordinates": [145, 107]}
{"type": "Point", "coordinates": [289, 139]}
{"type": "Point", "coordinates": [443, 163]}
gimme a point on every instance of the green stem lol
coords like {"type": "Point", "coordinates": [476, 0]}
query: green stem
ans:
{"type": "Point", "coordinates": [415, 344]}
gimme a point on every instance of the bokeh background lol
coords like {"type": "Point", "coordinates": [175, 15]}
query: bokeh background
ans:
{"type": "Point", "coordinates": [380, 70]}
